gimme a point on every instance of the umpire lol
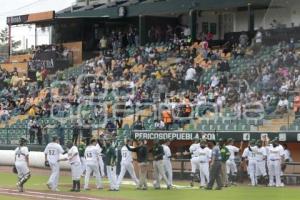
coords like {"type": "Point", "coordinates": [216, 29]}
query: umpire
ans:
{"type": "Point", "coordinates": [215, 170]}
{"type": "Point", "coordinates": [142, 158]}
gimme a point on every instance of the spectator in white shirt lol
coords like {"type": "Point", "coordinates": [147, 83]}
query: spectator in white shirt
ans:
{"type": "Point", "coordinates": [282, 106]}
{"type": "Point", "coordinates": [190, 78]}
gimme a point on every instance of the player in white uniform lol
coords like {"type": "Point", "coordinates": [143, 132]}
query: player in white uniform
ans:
{"type": "Point", "coordinates": [22, 163]}
{"type": "Point", "coordinates": [194, 158]}
{"type": "Point", "coordinates": [204, 154]}
{"type": "Point", "coordinates": [74, 160]}
{"type": "Point", "coordinates": [52, 153]}
{"type": "Point", "coordinates": [167, 161]}
{"type": "Point", "coordinates": [91, 155]}
{"type": "Point", "coordinates": [230, 163]}
{"type": "Point", "coordinates": [276, 158]}
{"type": "Point", "coordinates": [101, 163]}
{"type": "Point", "coordinates": [261, 156]}
{"type": "Point", "coordinates": [249, 155]}
{"type": "Point", "coordinates": [126, 165]}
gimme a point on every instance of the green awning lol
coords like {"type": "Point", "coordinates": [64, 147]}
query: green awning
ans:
{"type": "Point", "coordinates": [163, 7]}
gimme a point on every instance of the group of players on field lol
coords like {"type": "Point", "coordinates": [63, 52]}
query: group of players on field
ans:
{"type": "Point", "coordinates": [264, 161]}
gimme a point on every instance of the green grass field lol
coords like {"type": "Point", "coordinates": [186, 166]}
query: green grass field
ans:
{"type": "Point", "coordinates": [127, 192]}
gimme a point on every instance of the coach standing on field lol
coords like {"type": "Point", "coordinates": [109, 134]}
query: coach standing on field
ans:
{"type": "Point", "coordinates": [215, 170]}
{"type": "Point", "coordinates": [142, 158]}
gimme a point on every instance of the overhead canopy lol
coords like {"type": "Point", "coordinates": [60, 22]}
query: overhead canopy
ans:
{"type": "Point", "coordinates": [160, 7]}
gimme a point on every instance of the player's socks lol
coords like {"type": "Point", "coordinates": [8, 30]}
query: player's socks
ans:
{"type": "Point", "coordinates": [193, 176]}
{"type": "Point", "coordinates": [24, 179]}
{"type": "Point", "coordinates": [74, 186]}
{"type": "Point", "coordinates": [78, 186]}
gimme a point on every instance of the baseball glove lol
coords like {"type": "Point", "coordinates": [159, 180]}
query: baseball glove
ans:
{"type": "Point", "coordinates": [14, 170]}
{"type": "Point", "coordinates": [47, 163]}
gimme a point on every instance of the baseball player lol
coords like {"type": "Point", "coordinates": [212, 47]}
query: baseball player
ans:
{"type": "Point", "coordinates": [142, 159]}
{"type": "Point", "coordinates": [204, 156]}
{"type": "Point", "coordinates": [194, 158]}
{"type": "Point", "coordinates": [22, 163]}
{"type": "Point", "coordinates": [74, 160]}
{"type": "Point", "coordinates": [261, 156]}
{"type": "Point", "coordinates": [249, 155]}
{"type": "Point", "coordinates": [81, 149]}
{"type": "Point", "coordinates": [230, 163]}
{"type": "Point", "coordinates": [126, 165]}
{"type": "Point", "coordinates": [91, 155]}
{"type": "Point", "coordinates": [101, 163]}
{"type": "Point", "coordinates": [167, 161]}
{"type": "Point", "coordinates": [275, 159]}
{"type": "Point", "coordinates": [110, 158]}
{"type": "Point", "coordinates": [52, 153]}
{"type": "Point", "coordinates": [158, 166]}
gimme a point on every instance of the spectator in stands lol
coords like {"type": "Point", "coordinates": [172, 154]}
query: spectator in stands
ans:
{"type": "Point", "coordinates": [259, 38]}
{"type": "Point", "coordinates": [282, 106]}
{"type": "Point", "coordinates": [39, 134]}
{"type": "Point", "coordinates": [243, 39]}
{"type": "Point", "coordinates": [138, 125]}
{"type": "Point", "coordinates": [4, 114]}
{"type": "Point", "coordinates": [60, 134]}
{"type": "Point", "coordinates": [159, 124]}
{"type": "Point", "coordinates": [45, 132]}
{"type": "Point", "coordinates": [223, 66]}
{"type": "Point", "coordinates": [32, 124]}
{"type": "Point", "coordinates": [76, 133]}
{"type": "Point", "coordinates": [86, 131]}
{"type": "Point", "coordinates": [103, 43]}
{"type": "Point", "coordinates": [39, 79]}
{"type": "Point", "coordinates": [167, 117]}
{"type": "Point", "coordinates": [190, 78]}
{"type": "Point", "coordinates": [110, 127]}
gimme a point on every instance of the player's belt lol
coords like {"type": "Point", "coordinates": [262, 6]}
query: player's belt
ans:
{"type": "Point", "coordinates": [203, 162]}
{"type": "Point", "coordinates": [260, 160]}
{"type": "Point", "coordinates": [274, 159]}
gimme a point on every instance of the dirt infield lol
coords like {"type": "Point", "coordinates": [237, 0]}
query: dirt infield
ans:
{"type": "Point", "coordinates": [34, 194]}
{"type": "Point", "coordinates": [31, 194]}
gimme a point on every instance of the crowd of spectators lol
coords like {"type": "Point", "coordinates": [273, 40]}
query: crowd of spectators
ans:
{"type": "Point", "coordinates": [172, 73]}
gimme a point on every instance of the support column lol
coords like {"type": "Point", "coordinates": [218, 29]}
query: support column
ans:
{"type": "Point", "coordinates": [142, 30]}
{"type": "Point", "coordinates": [193, 23]}
{"type": "Point", "coordinates": [9, 48]}
{"type": "Point", "coordinates": [250, 18]}
{"type": "Point", "coordinates": [35, 36]}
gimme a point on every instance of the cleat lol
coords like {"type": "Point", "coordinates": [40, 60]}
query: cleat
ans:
{"type": "Point", "coordinates": [19, 187]}
{"type": "Point", "coordinates": [48, 185]}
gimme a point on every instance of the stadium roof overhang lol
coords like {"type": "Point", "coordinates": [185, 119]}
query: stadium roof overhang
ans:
{"type": "Point", "coordinates": [32, 18]}
{"type": "Point", "coordinates": [159, 7]}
